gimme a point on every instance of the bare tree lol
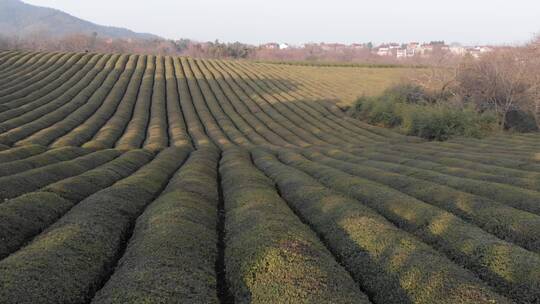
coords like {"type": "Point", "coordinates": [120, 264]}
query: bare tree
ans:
{"type": "Point", "coordinates": [440, 75]}
{"type": "Point", "coordinates": [501, 81]}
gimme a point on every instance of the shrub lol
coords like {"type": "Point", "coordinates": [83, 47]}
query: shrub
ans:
{"type": "Point", "coordinates": [78, 187]}
{"type": "Point", "coordinates": [414, 112]}
{"type": "Point", "coordinates": [31, 180]}
{"type": "Point", "coordinates": [71, 259]}
{"type": "Point", "coordinates": [377, 111]}
{"type": "Point", "coordinates": [406, 92]}
{"type": "Point", "coordinates": [24, 217]}
{"type": "Point", "coordinates": [510, 224]}
{"type": "Point", "coordinates": [48, 158]}
{"type": "Point", "coordinates": [441, 122]}
{"type": "Point", "coordinates": [386, 261]}
{"type": "Point", "coordinates": [18, 153]}
{"type": "Point", "coordinates": [171, 255]}
{"type": "Point", "coordinates": [270, 255]}
{"type": "Point", "coordinates": [42, 118]}
{"type": "Point", "coordinates": [135, 131]}
{"type": "Point", "coordinates": [73, 116]}
{"type": "Point", "coordinates": [520, 121]}
{"type": "Point", "coordinates": [86, 129]}
{"type": "Point", "coordinates": [503, 265]}
{"type": "Point", "coordinates": [109, 133]}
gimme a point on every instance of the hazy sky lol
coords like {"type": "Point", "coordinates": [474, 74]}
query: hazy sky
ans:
{"type": "Point", "coordinates": [297, 21]}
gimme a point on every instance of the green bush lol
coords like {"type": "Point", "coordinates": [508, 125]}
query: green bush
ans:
{"type": "Point", "coordinates": [17, 184]}
{"type": "Point", "coordinates": [69, 261]}
{"type": "Point", "coordinates": [377, 111]}
{"type": "Point", "coordinates": [23, 217]}
{"type": "Point", "coordinates": [406, 92]}
{"type": "Point", "coordinates": [385, 260]}
{"type": "Point", "coordinates": [440, 121]}
{"type": "Point", "coordinates": [18, 153]}
{"type": "Point", "coordinates": [520, 121]}
{"type": "Point", "coordinates": [44, 159]}
{"type": "Point", "coordinates": [503, 221]}
{"type": "Point", "coordinates": [504, 266]}
{"type": "Point", "coordinates": [416, 113]}
{"type": "Point", "coordinates": [270, 255]}
{"type": "Point", "coordinates": [171, 255]}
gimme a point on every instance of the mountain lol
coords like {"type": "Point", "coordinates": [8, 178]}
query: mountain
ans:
{"type": "Point", "coordinates": [21, 19]}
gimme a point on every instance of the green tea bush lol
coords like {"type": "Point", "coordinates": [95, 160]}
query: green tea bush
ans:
{"type": "Point", "coordinates": [78, 187]}
{"type": "Point", "coordinates": [197, 130]}
{"type": "Point", "coordinates": [458, 168]}
{"type": "Point", "coordinates": [270, 255]}
{"type": "Point", "coordinates": [72, 116]}
{"type": "Point", "coordinates": [53, 91]}
{"type": "Point", "coordinates": [109, 133]}
{"type": "Point", "coordinates": [176, 122]}
{"type": "Point", "coordinates": [135, 132]}
{"type": "Point", "coordinates": [392, 265]}
{"type": "Point", "coordinates": [505, 266]}
{"type": "Point", "coordinates": [71, 64]}
{"type": "Point", "coordinates": [25, 216]}
{"type": "Point", "coordinates": [48, 158]}
{"type": "Point", "coordinates": [156, 131]}
{"type": "Point", "coordinates": [31, 180]}
{"type": "Point", "coordinates": [86, 129]}
{"type": "Point", "coordinates": [72, 258]}
{"type": "Point", "coordinates": [41, 118]}
{"type": "Point", "coordinates": [18, 153]}
{"type": "Point", "coordinates": [171, 255]}
{"type": "Point", "coordinates": [30, 74]}
{"type": "Point", "coordinates": [508, 223]}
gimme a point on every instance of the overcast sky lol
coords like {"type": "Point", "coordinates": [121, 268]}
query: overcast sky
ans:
{"type": "Point", "coordinates": [298, 21]}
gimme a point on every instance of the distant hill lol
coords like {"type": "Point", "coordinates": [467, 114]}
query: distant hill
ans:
{"type": "Point", "coordinates": [21, 19]}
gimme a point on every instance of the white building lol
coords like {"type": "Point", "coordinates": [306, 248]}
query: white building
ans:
{"type": "Point", "coordinates": [401, 53]}
{"type": "Point", "coordinates": [283, 46]}
{"type": "Point", "coordinates": [458, 50]}
{"type": "Point", "coordinates": [384, 51]}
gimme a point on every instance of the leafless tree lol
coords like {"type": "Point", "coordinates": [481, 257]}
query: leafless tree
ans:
{"type": "Point", "coordinates": [502, 81]}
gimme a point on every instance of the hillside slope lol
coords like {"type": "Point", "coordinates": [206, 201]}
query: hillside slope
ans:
{"type": "Point", "coordinates": [151, 179]}
{"type": "Point", "coordinates": [22, 19]}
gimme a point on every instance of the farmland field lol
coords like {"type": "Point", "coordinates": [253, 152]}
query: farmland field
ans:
{"type": "Point", "coordinates": [150, 179]}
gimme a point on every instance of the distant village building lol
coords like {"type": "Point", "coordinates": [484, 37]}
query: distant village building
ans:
{"type": "Point", "coordinates": [271, 46]}
{"type": "Point", "coordinates": [458, 50]}
{"type": "Point", "coordinates": [401, 53]}
{"type": "Point", "coordinates": [478, 51]}
{"type": "Point", "coordinates": [416, 49]}
{"type": "Point", "coordinates": [384, 51]}
{"type": "Point", "coordinates": [283, 46]}
{"type": "Point", "coordinates": [359, 46]}
{"type": "Point", "coordinates": [413, 49]}
{"type": "Point", "coordinates": [275, 46]}
{"type": "Point", "coordinates": [395, 50]}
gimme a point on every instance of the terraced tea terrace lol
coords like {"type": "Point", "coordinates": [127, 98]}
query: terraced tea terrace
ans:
{"type": "Point", "coordinates": [148, 179]}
